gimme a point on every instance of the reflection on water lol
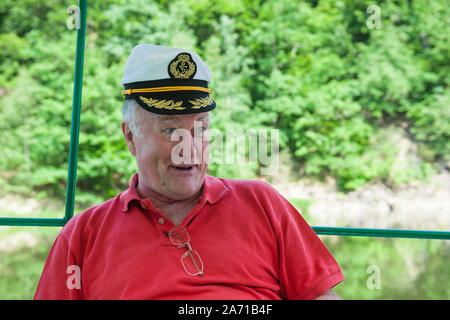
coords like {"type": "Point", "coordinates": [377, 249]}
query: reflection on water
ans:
{"type": "Point", "coordinates": [403, 268]}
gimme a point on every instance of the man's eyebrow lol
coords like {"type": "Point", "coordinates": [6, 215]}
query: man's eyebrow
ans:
{"type": "Point", "coordinates": [168, 119]}
{"type": "Point", "coordinates": [204, 117]}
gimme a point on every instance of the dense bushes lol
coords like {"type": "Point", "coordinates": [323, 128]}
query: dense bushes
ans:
{"type": "Point", "coordinates": [313, 70]}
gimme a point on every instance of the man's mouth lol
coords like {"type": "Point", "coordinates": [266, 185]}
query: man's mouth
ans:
{"type": "Point", "coordinates": [183, 167]}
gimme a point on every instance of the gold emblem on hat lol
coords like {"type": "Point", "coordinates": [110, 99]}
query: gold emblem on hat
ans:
{"type": "Point", "coordinates": [201, 102]}
{"type": "Point", "coordinates": [162, 104]}
{"type": "Point", "coordinates": [182, 67]}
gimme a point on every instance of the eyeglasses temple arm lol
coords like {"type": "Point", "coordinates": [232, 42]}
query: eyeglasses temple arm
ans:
{"type": "Point", "coordinates": [193, 260]}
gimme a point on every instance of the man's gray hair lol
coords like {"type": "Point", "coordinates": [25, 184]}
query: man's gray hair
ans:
{"type": "Point", "coordinates": [130, 115]}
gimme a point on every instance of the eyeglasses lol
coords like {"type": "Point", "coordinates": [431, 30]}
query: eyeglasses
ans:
{"type": "Point", "coordinates": [190, 260]}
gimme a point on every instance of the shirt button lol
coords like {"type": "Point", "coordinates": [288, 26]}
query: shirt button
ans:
{"type": "Point", "coordinates": [161, 221]}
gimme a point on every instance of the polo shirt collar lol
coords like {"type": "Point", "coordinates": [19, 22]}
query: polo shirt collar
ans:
{"type": "Point", "coordinates": [130, 194]}
{"type": "Point", "coordinates": [213, 190]}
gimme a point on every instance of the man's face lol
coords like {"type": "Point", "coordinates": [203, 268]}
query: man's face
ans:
{"type": "Point", "coordinates": [170, 153]}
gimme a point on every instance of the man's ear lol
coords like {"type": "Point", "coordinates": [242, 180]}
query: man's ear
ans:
{"type": "Point", "coordinates": [128, 135]}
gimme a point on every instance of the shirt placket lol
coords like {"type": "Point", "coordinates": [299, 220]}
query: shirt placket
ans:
{"type": "Point", "coordinates": [161, 223]}
{"type": "Point", "coordinates": [164, 224]}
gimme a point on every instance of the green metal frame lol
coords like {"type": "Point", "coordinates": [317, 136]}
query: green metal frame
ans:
{"type": "Point", "coordinates": [74, 134]}
{"type": "Point", "coordinates": [73, 156]}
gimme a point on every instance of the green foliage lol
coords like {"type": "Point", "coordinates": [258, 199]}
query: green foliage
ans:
{"type": "Point", "coordinates": [311, 69]}
{"type": "Point", "coordinates": [342, 96]}
{"type": "Point", "coordinates": [431, 125]}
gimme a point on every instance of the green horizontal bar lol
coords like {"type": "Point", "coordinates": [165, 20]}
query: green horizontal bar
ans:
{"type": "Point", "coordinates": [386, 233]}
{"type": "Point", "coordinates": [330, 231]}
{"type": "Point", "coordinates": [28, 222]}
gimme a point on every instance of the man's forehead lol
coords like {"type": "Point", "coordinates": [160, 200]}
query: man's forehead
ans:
{"type": "Point", "coordinates": [178, 118]}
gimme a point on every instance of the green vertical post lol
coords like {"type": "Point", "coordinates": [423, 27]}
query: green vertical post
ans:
{"type": "Point", "coordinates": [76, 110]}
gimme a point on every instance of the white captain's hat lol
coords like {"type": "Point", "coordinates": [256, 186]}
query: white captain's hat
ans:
{"type": "Point", "coordinates": [167, 80]}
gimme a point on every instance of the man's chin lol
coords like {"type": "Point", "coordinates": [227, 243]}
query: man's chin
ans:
{"type": "Point", "coordinates": [185, 186]}
{"type": "Point", "coordinates": [180, 193]}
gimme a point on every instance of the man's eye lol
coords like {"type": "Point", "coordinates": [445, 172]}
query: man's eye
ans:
{"type": "Point", "coordinates": [201, 129]}
{"type": "Point", "coordinates": [169, 130]}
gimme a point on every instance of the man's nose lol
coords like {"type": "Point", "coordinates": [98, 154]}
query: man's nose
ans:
{"type": "Point", "coordinates": [189, 150]}
{"type": "Point", "coordinates": [191, 153]}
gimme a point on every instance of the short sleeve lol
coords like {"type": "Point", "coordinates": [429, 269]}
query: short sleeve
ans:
{"type": "Point", "coordinates": [61, 277]}
{"type": "Point", "coordinates": [307, 269]}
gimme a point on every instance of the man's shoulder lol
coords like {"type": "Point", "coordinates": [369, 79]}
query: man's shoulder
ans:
{"type": "Point", "coordinates": [255, 187]}
{"type": "Point", "coordinates": [91, 217]}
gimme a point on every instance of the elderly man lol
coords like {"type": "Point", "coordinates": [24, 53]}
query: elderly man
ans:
{"type": "Point", "coordinates": [178, 233]}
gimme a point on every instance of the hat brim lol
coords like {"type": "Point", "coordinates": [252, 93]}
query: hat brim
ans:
{"type": "Point", "coordinates": [175, 103]}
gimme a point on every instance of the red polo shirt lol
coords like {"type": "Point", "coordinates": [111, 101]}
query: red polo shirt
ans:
{"type": "Point", "coordinates": [254, 245]}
